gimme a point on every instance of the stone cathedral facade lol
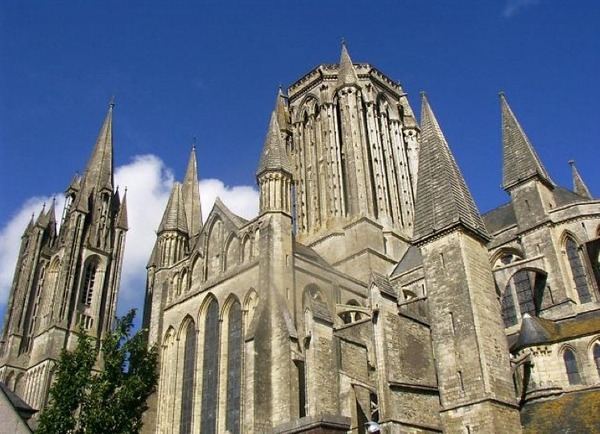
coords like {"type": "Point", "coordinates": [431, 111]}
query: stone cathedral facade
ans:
{"type": "Point", "coordinates": [368, 289]}
{"type": "Point", "coordinates": [65, 278]}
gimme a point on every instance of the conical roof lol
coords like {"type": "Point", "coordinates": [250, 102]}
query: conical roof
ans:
{"type": "Point", "coordinates": [520, 161]}
{"type": "Point", "coordinates": [281, 111]}
{"type": "Point", "coordinates": [443, 199]}
{"type": "Point", "coordinates": [579, 186]}
{"type": "Point", "coordinates": [99, 170]}
{"type": "Point", "coordinates": [174, 217]}
{"type": "Point", "coordinates": [122, 220]}
{"type": "Point", "coordinates": [274, 156]}
{"type": "Point", "coordinates": [191, 196]}
{"type": "Point", "coordinates": [346, 72]}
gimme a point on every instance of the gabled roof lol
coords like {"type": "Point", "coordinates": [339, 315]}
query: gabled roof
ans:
{"type": "Point", "coordinates": [520, 161]}
{"type": "Point", "coordinates": [443, 199]}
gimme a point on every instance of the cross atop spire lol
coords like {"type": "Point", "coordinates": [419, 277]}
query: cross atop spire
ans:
{"type": "Point", "coordinates": [521, 162]}
{"type": "Point", "coordinates": [443, 199]}
{"type": "Point", "coordinates": [579, 186]}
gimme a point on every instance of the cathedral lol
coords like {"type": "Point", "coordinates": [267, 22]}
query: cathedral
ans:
{"type": "Point", "coordinates": [368, 294]}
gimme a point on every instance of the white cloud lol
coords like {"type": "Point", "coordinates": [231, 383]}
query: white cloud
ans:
{"type": "Point", "coordinates": [148, 182]}
{"type": "Point", "coordinates": [512, 7]}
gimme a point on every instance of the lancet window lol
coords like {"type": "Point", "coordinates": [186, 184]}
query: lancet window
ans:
{"type": "Point", "coordinates": [234, 369]}
{"type": "Point", "coordinates": [577, 271]}
{"type": "Point", "coordinates": [571, 367]}
{"type": "Point", "coordinates": [187, 387]}
{"type": "Point", "coordinates": [210, 369]}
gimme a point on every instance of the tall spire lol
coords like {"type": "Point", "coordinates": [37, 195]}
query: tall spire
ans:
{"type": "Point", "coordinates": [122, 220]}
{"type": "Point", "coordinates": [281, 110]}
{"type": "Point", "coordinates": [443, 199]}
{"type": "Point", "coordinates": [579, 186]}
{"type": "Point", "coordinates": [346, 72]}
{"type": "Point", "coordinates": [99, 171]}
{"type": "Point", "coordinates": [191, 196]}
{"type": "Point", "coordinates": [174, 216]}
{"type": "Point", "coordinates": [274, 157]}
{"type": "Point", "coordinates": [520, 159]}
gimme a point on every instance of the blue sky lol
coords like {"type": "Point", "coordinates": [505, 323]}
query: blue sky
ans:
{"type": "Point", "coordinates": [211, 70]}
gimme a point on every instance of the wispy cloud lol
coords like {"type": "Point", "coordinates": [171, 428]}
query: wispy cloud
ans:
{"type": "Point", "coordinates": [148, 183]}
{"type": "Point", "coordinates": [513, 7]}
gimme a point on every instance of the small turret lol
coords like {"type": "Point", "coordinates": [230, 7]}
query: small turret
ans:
{"type": "Point", "coordinates": [346, 73]}
{"type": "Point", "coordinates": [579, 186]}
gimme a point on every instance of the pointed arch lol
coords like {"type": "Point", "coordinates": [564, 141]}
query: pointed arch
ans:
{"type": "Point", "coordinates": [232, 353]}
{"type": "Point", "coordinates": [197, 273]}
{"type": "Point", "coordinates": [506, 256]}
{"type": "Point", "coordinates": [183, 281]}
{"type": "Point", "coordinates": [596, 355]}
{"type": "Point", "coordinates": [524, 293]}
{"type": "Point", "coordinates": [576, 266]}
{"type": "Point", "coordinates": [232, 251]}
{"type": "Point", "coordinates": [188, 375]}
{"type": "Point", "coordinates": [247, 248]}
{"type": "Point", "coordinates": [250, 305]}
{"type": "Point", "coordinates": [214, 248]}
{"type": "Point", "coordinates": [571, 366]}
{"type": "Point", "coordinates": [210, 366]}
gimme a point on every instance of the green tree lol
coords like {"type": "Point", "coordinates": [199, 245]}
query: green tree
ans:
{"type": "Point", "coordinates": [111, 400]}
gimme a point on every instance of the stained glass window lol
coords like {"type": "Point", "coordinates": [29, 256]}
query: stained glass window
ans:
{"type": "Point", "coordinates": [571, 367]}
{"type": "Point", "coordinates": [210, 370]}
{"type": "Point", "coordinates": [578, 271]}
{"type": "Point", "coordinates": [187, 388]}
{"type": "Point", "coordinates": [234, 369]}
{"type": "Point", "coordinates": [509, 313]}
{"type": "Point", "coordinates": [524, 292]}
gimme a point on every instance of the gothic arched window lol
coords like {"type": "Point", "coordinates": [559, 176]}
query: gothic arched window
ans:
{"type": "Point", "coordinates": [596, 354]}
{"type": "Point", "coordinates": [578, 271]}
{"type": "Point", "coordinates": [210, 369]}
{"type": "Point", "coordinates": [234, 369]}
{"type": "Point", "coordinates": [571, 367]}
{"type": "Point", "coordinates": [509, 313]}
{"type": "Point", "coordinates": [89, 280]}
{"type": "Point", "coordinates": [187, 386]}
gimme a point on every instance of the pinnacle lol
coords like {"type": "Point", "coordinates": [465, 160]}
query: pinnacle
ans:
{"type": "Point", "coordinates": [274, 156]}
{"type": "Point", "coordinates": [346, 73]}
{"type": "Point", "coordinates": [521, 162]}
{"type": "Point", "coordinates": [442, 199]}
{"type": "Point", "coordinates": [579, 186]}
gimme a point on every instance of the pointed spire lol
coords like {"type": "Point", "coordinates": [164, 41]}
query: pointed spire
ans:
{"type": "Point", "coordinates": [174, 216]}
{"type": "Point", "coordinates": [99, 171]}
{"type": "Point", "coordinates": [74, 185]}
{"type": "Point", "coordinates": [579, 186]}
{"type": "Point", "coordinates": [521, 162]}
{"type": "Point", "coordinates": [51, 214]}
{"type": "Point", "coordinates": [274, 156]}
{"type": "Point", "coordinates": [191, 196]}
{"type": "Point", "coordinates": [346, 71]}
{"type": "Point", "coordinates": [122, 220]}
{"type": "Point", "coordinates": [443, 199]}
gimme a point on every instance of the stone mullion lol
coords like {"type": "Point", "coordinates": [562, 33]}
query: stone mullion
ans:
{"type": "Point", "coordinates": [391, 172]}
{"type": "Point", "coordinates": [403, 177]}
{"type": "Point", "coordinates": [336, 163]}
{"type": "Point", "coordinates": [322, 154]}
{"type": "Point", "coordinates": [314, 205]}
{"type": "Point", "coordinates": [301, 186]}
{"type": "Point", "coordinates": [362, 140]}
{"type": "Point", "coordinates": [377, 161]}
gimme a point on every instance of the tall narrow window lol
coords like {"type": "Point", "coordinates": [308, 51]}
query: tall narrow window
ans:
{"type": "Point", "coordinates": [524, 292]}
{"type": "Point", "coordinates": [597, 357]}
{"type": "Point", "coordinates": [88, 283]}
{"type": "Point", "coordinates": [301, 388]}
{"type": "Point", "coordinates": [571, 367]}
{"type": "Point", "coordinates": [509, 313]}
{"type": "Point", "coordinates": [578, 271]}
{"type": "Point", "coordinates": [234, 369]}
{"type": "Point", "coordinates": [210, 370]}
{"type": "Point", "coordinates": [187, 387]}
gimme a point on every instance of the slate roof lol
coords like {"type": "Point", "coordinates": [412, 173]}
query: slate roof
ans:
{"type": "Point", "coordinates": [20, 405]}
{"type": "Point", "coordinates": [500, 218]}
{"type": "Point", "coordinates": [412, 258]}
{"type": "Point", "coordinates": [520, 161]}
{"type": "Point", "coordinates": [309, 254]}
{"type": "Point", "coordinates": [383, 283]}
{"type": "Point", "coordinates": [443, 199]}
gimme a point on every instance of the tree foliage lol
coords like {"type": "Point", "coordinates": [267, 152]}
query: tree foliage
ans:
{"type": "Point", "coordinates": [111, 399]}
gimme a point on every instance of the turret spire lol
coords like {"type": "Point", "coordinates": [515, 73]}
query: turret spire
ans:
{"type": "Point", "coordinates": [99, 171]}
{"type": "Point", "coordinates": [281, 111]}
{"type": "Point", "coordinates": [274, 156]}
{"type": "Point", "coordinates": [191, 196]}
{"type": "Point", "coordinates": [443, 199]}
{"type": "Point", "coordinates": [174, 217]}
{"type": "Point", "coordinates": [579, 186]}
{"type": "Point", "coordinates": [122, 220]}
{"type": "Point", "coordinates": [520, 159]}
{"type": "Point", "coordinates": [346, 72]}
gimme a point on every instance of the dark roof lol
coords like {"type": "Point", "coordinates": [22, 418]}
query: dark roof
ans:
{"type": "Point", "coordinates": [500, 218]}
{"type": "Point", "coordinates": [535, 330]}
{"type": "Point", "coordinates": [564, 196]}
{"type": "Point", "coordinates": [383, 283]}
{"type": "Point", "coordinates": [520, 161]}
{"type": "Point", "coordinates": [571, 413]}
{"type": "Point", "coordinates": [18, 403]}
{"type": "Point", "coordinates": [309, 254]}
{"type": "Point", "coordinates": [411, 259]}
{"type": "Point", "coordinates": [443, 199]}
